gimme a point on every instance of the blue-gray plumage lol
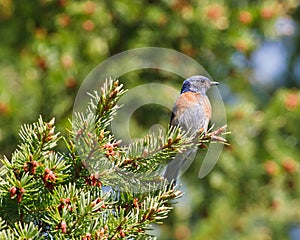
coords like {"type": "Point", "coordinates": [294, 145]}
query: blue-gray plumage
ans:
{"type": "Point", "coordinates": [192, 112]}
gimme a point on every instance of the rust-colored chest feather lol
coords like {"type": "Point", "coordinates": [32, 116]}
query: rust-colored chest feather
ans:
{"type": "Point", "coordinates": [192, 111]}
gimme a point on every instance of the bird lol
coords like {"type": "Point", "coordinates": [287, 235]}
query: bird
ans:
{"type": "Point", "coordinates": [192, 113]}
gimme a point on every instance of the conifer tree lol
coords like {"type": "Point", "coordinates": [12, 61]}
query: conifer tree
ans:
{"type": "Point", "coordinates": [97, 189]}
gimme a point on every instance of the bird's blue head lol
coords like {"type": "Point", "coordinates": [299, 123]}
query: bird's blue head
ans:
{"type": "Point", "coordinates": [198, 84]}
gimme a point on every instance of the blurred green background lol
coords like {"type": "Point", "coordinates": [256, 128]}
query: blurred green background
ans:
{"type": "Point", "coordinates": [47, 47]}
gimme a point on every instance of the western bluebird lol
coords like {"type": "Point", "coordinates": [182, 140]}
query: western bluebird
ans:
{"type": "Point", "coordinates": [192, 112]}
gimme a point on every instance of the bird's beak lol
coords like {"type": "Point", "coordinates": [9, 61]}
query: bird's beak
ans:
{"type": "Point", "coordinates": [214, 83]}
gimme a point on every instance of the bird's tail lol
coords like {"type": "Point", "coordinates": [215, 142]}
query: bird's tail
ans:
{"type": "Point", "coordinates": [181, 161]}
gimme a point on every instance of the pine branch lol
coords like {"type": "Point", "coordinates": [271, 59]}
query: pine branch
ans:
{"type": "Point", "coordinates": [90, 137]}
{"type": "Point", "coordinates": [146, 208]}
{"type": "Point", "coordinates": [154, 149]}
{"type": "Point", "coordinates": [33, 170]}
{"type": "Point", "coordinates": [105, 106]}
{"type": "Point", "coordinates": [72, 210]}
{"type": "Point", "coordinates": [45, 194]}
{"type": "Point", "coordinates": [99, 113]}
{"type": "Point", "coordinates": [130, 166]}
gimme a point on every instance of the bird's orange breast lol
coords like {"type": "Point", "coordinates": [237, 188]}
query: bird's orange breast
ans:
{"type": "Point", "coordinates": [191, 109]}
{"type": "Point", "coordinates": [191, 99]}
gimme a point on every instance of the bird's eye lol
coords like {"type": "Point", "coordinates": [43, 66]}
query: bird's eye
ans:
{"type": "Point", "coordinates": [202, 80]}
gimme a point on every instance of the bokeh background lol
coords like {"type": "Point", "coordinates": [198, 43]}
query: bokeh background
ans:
{"type": "Point", "coordinates": [47, 47]}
